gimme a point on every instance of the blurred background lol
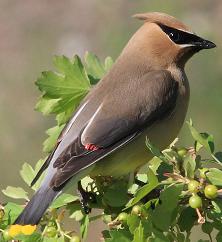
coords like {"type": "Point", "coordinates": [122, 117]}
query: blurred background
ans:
{"type": "Point", "coordinates": [31, 32]}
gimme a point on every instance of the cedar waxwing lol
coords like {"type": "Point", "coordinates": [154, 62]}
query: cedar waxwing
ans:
{"type": "Point", "coordinates": [145, 94]}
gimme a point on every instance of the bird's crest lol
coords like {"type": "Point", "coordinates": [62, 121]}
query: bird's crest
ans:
{"type": "Point", "coordinates": [161, 18]}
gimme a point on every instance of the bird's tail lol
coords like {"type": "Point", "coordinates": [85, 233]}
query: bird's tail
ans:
{"type": "Point", "coordinates": [36, 207]}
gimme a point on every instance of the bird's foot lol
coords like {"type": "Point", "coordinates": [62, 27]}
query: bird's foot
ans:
{"type": "Point", "coordinates": [91, 147]}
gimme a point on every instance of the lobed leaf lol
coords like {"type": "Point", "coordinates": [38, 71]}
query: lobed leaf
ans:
{"type": "Point", "coordinates": [50, 142]}
{"type": "Point", "coordinates": [63, 200]}
{"type": "Point", "coordinates": [75, 211]}
{"type": "Point", "coordinates": [116, 195]}
{"type": "Point", "coordinates": [146, 189]}
{"type": "Point", "coordinates": [138, 235]}
{"type": "Point", "coordinates": [189, 165]}
{"type": "Point", "coordinates": [63, 91]}
{"type": "Point", "coordinates": [84, 226]}
{"type": "Point", "coordinates": [162, 216]}
{"type": "Point", "coordinates": [120, 235]}
{"type": "Point", "coordinates": [203, 138]}
{"type": "Point", "coordinates": [12, 210]}
{"type": "Point", "coordinates": [94, 66]}
{"type": "Point", "coordinates": [155, 151]}
{"type": "Point", "coordinates": [133, 222]}
{"type": "Point", "coordinates": [108, 63]}
{"type": "Point", "coordinates": [27, 173]}
{"type": "Point", "coordinates": [15, 192]}
{"type": "Point", "coordinates": [215, 176]}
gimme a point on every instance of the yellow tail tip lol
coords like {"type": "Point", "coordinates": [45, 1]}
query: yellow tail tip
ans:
{"type": "Point", "coordinates": [17, 229]}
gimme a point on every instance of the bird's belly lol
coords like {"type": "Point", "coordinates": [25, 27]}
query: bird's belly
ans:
{"type": "Point", "coordinates": [135, 154]}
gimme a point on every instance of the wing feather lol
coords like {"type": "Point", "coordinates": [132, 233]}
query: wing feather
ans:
{"type": "Point", "coordinates": [110, 120]}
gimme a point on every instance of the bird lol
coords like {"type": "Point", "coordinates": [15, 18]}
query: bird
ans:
{"type": "Point", "coordinates": [144, 94]}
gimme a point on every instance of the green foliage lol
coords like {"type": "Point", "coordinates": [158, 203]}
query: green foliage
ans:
{"type": "Point", "coordinates": [151, 206]}
{"type": "Point", "coordinates": [15, 192]}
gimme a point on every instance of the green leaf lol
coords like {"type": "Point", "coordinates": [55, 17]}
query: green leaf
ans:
{"type": "Point", "coordinates": [46, 105]}
{"type": "Point", "coordinates": [84, 226]}
{"type": "Point", "coordinates": [158, 236]}
{"type": "Point", "coordinates": [15, 192]}
{"type": "Point", "coordinates": [155, 151]}
{"type": "Point", "coordinates": [217, 206]}
{"type": "Point", "coordinates": [74, 73]}
{"type": "Point", "coordinates": [63, 199]}
{"type": "Point", "coordinates": [116, 194]}
{"type": "Point", "coordinates": [163, 168]}
{"type": "Point", "coordinates": [154, 164]}
{"type": "Point", "coordinates": [64, 90]}
{"type": "Point", "coordinates": [187, 219]}
{"type": "Point", "coordinates": [146, 189]}
{"type": "Point", "coordinates": [30, 238]}
{"type": "Point", "coordinates": [47, 239]}
{"type": "Point", "coordinates": [50, 142]}
{"type": "Point", "coordinates": [75, 211]}
{"type": "Point", "coordinates": [147, 226]}
{"type": "Point", "coordinates": [12, 210]}
{"type": "Point", "coordinates": [189, 165]}
{"type": "Point", "coordinates": [207, 227]}
{"type": "Point", "coordinates": [164, 213]}
{"type": "Point", "coordinates": [37, 168]}
{"type": "Point", "coordinates": [218, 237]}
{"type": "Point", "coordinates": [133, 222]}
{"type": "Point", "coordinates": [120, 235]}
{"type": "Point", "coordinates": [215, 176]}
{"type": "Point", "coordinates": [108, 63]}
{"type": "Point", "coordinates": [93, 66]}
{"type": "Point", "coordinates": [197, 146]}
{"type": "Point", "coordinates": [27, 173]}
{"type": "Point", "coordinates": [139, 234]}
{"type": "Point", "coordinates": [39, 164]}
{"type": "Point", "coordinates": [203, 138]}
{"type": "Point", "coordinates": [63, 117]}
{"type": "Point", "coordinates": [215, 213]}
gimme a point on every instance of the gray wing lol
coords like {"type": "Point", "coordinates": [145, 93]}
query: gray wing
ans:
{"type": "Point", "coordinates": [112, 122]}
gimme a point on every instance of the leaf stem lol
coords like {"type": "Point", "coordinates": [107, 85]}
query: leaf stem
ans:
{"type": "Point", "coordinates": [210, 237]}
{"type": "Point", "coordinates": [215, 158]}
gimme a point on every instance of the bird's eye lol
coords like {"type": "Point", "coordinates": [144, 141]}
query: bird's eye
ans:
{"type": "Point", "coordinates": [175, 36]}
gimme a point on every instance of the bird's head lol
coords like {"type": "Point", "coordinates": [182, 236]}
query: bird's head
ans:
{"type": "Point", "coordinates": [167, 40]}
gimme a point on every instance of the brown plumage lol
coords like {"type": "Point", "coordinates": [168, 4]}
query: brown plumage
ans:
{"type": "Point", "coordinates": [162, 18]}
{"type": "Point", "coordinates": [146, 93]}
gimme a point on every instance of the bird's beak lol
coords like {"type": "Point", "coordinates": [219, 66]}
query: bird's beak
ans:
{"type": "Point", "coordinates": [201, 43]}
